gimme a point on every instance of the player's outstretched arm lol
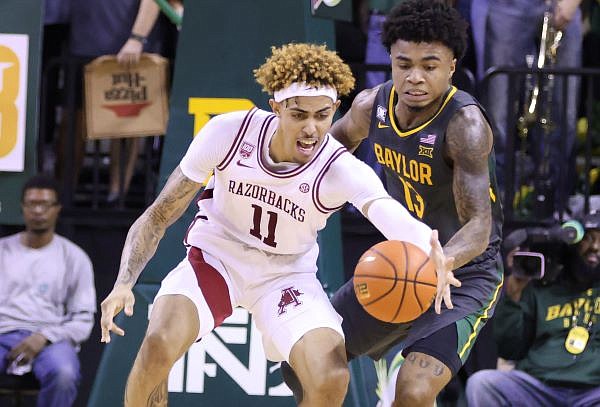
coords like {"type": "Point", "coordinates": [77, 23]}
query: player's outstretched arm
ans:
{"type": "Point", "coordinates": [395, 223]}
{"type": "Point", "coordinates": [468, 145]}
{"type": "Point", "coordinates": [141, 243]}
{"type": "Point", "coordinates": [352, 128]}
{"type": "Point", "coordinates": [366, 191]}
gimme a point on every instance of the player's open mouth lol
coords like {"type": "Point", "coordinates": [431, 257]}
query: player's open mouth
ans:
{"type": "Point", "coordinates": [416, 93]}
{"type": "Point", "coordinates": [306, 146]}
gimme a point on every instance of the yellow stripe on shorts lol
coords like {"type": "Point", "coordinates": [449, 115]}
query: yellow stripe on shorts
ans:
{"type": "Point", "coordinates": [475, 331]}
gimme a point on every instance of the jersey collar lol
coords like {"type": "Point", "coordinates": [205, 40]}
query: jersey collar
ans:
{"type": "Point", "coordinates": [392, 114]}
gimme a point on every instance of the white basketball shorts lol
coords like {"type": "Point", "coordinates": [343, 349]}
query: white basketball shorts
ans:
{"type": "Point", "coordinates": [284, 306]}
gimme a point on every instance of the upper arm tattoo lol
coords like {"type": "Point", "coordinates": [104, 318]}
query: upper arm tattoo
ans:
{"type": "Point", "coordinates": [174, 198]}
{"type": "Point", "coordinates": [145, 234]}
{"type": "Point", "coordinates": [469, 142]}
{"type": "Point", "coordinates": [468, 145]}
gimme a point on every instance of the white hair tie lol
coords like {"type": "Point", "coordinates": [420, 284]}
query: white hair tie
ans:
{"type": "Point", "coordinates": [302, 89]}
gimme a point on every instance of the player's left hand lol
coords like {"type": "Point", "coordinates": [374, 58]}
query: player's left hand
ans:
{"type": "Point", "coordinates": [120, 298]}
{"type": "Point", "coordinates": [445, 277]}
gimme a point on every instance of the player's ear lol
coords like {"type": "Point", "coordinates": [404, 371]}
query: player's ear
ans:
{"type": "Point", "coordinates": [336, 105]}
{"type": "Point", "coordinates": [452, 67]}
{"type": "Point", "coordinates": [275, 107]}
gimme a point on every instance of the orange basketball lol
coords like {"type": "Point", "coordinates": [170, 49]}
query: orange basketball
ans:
{"type": "Point", "coordinates": [395, 281]}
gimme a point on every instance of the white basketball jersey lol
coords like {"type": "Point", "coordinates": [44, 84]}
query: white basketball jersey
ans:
{"type": "Point", "coordinates": [274, 211]}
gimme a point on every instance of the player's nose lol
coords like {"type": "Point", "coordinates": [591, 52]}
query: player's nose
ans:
{"type": "Point", "coordinates": [414, 76]}
{"type": "Point", "coordinates": [310, 128]}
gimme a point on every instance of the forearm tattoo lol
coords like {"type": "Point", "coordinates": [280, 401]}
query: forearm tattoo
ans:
{"type": "Point", "coordinates": [145, 234]}
{"type": "Point", "coordinates": [468, 144]}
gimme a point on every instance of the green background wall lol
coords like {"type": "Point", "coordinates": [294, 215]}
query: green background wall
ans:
{"type": "Point", "coordinates": [22, 17]}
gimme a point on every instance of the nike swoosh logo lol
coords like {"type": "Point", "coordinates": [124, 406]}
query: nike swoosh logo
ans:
{"type": "Point", "coordinates": [241, 164]}
{"type": "Point", "coordinates": [382, 126]}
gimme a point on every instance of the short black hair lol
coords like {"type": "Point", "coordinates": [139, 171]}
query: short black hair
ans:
{"type": "Point", "coordinates": [426, 21]}
{"type": "Point", "coordinates": [41, 181]}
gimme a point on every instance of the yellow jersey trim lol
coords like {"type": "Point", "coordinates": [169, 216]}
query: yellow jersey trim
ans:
{"type": "Point", "coordinates": [392, 115]}
{"type": "Point", "coordinates": [492, 195]}
{"type": "Point", "coordinates": [483, 316]}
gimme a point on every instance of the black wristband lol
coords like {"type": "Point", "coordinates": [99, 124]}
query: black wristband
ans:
{"type": "Point", "coordinates": [137, 37]}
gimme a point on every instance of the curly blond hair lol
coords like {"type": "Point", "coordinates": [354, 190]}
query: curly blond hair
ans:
{"type": "Point", "coordinates": [310, 63]}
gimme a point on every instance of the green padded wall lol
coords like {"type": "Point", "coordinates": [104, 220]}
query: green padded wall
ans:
{"type": "Point", "coordinates": [20, 49]}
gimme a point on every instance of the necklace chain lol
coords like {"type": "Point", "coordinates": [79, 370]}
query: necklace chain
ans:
{"type": "Point", "coordinates": [575, 317]}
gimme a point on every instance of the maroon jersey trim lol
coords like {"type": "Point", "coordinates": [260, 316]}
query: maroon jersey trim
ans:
{"type": "Point", "coordinates": [213, 286]}
{"type": "Point", "coordinates": [315, 192]}
{"type": "Point", "coordinates": [207, 193]}
{"type": "Point", "coordinates": [238, 139]}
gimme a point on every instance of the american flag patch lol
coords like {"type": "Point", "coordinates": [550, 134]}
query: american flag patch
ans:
{"type": "Point", "coordinates": [429, 139]}
{"type": "Point", "coordinates": [381, 113]}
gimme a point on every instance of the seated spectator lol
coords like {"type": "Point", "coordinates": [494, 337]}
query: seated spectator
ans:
{"type": "Point", "coordinates": [47, 298]}
{"type": "Point", "coordinates": [550, 328]}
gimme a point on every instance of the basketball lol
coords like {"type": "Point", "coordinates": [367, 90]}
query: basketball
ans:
{"type": "Point", "coordinates": [395, 281]}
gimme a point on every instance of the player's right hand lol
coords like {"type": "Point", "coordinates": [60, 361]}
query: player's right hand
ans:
{"type": "Point", "coordinates": [121, 297]}
{"type": "Point", "coordinates": [445, 277]}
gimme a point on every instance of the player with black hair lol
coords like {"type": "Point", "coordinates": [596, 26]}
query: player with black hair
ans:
{"type": "Point", "coordinates": [426, 21]}
{"type": "Point", "coordinates": [436, 146]}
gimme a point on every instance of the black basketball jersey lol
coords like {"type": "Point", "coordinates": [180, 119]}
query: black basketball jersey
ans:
{"type": "Point", "coordinates": [417, 174]}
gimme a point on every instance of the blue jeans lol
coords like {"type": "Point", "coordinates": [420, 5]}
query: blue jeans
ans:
{"type": "Point", "coordinates": [512, 32]}
{"type": "Point", "coordinates": [496, 388]}
{"type": "Point", "coordinates": [56, 367]}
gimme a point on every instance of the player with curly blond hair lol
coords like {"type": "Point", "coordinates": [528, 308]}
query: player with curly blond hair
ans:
{"type": "Point", "coordinates": [277, 177]}
{"type": "Point", "coordinates": [311, 64]}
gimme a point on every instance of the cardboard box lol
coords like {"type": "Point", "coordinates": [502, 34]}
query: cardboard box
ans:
{"type": "Point", "coordinates": [125, 101]}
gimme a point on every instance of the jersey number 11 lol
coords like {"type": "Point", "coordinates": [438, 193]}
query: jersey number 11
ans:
{"type": "Point", "coordinates": [269, 240]}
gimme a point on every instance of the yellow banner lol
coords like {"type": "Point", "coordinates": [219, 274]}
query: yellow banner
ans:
{"type": "Point", "coordinates": [14, 50]}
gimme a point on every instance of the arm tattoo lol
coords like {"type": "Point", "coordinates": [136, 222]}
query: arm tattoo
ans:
{"type": "Point", "coordinates": [468, 145]}
{"type": "Point", "coordinates": [145, 234]}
